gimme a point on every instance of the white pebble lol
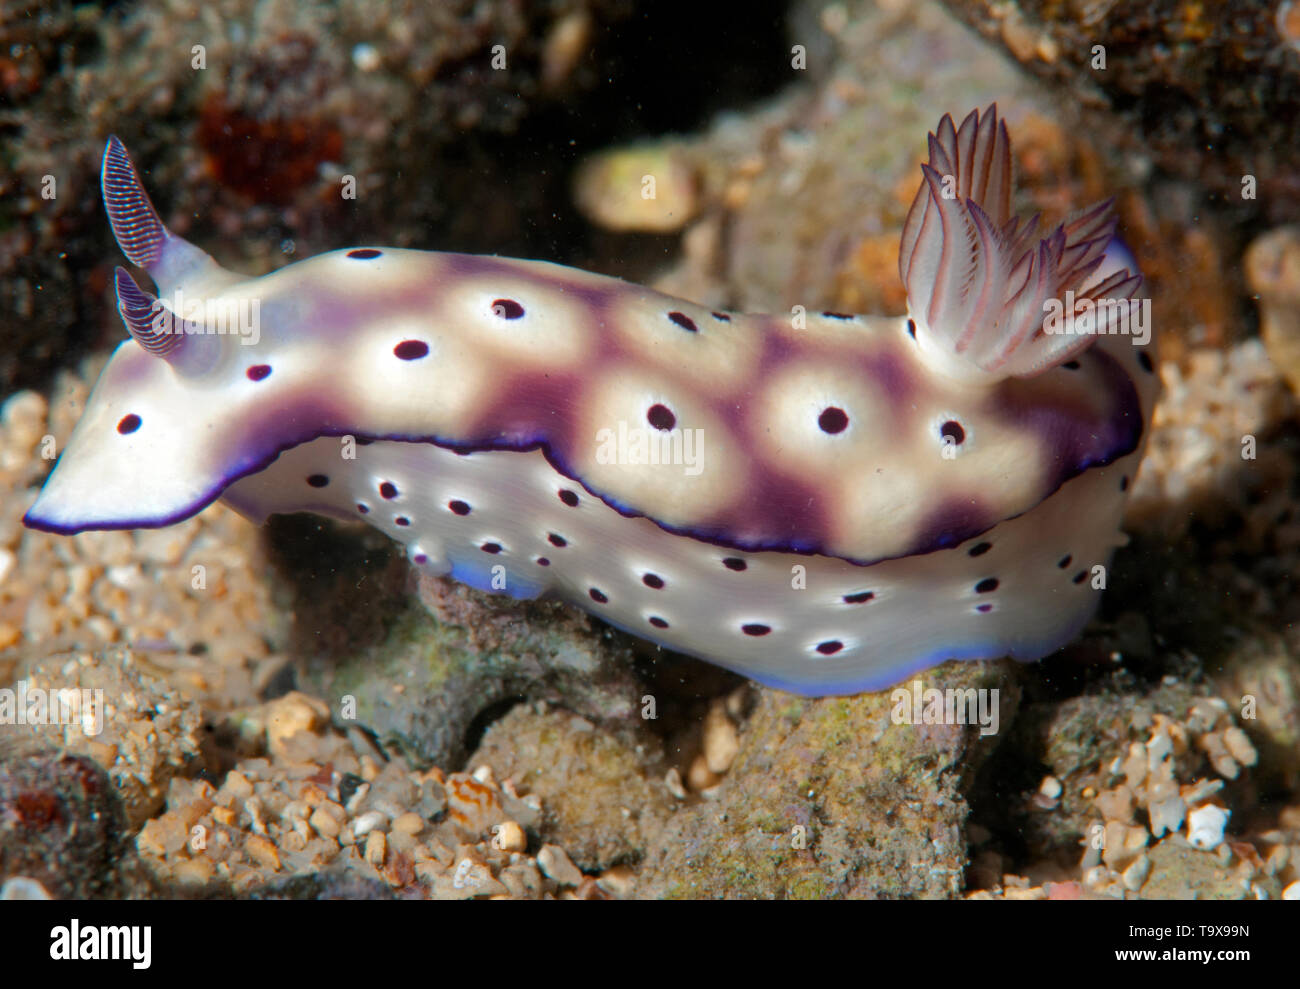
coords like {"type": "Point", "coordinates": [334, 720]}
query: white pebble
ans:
{"type": "Point", "coordinates": [556, 864]}
{"type": "Point", "coordinates": [22, 888]}
{"type": "Point", "coordinates": [1136, 874]}
{"type": "Point", "coordinates": [365, 57]}
{"type": "Point", "coordinates": [367, 822]}
{"type": "Point", "coordinates": [1205, 826]}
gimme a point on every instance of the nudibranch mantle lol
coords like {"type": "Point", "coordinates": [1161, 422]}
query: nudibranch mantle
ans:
{"type": "Point", "coordinates": [826, 504]}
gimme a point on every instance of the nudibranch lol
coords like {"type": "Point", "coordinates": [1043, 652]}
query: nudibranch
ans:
{"type": "Point", "coordinates": [823, 503]}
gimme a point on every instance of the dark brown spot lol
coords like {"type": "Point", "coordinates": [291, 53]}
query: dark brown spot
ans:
{"type": "Point", "coordinates": [1064, 561]}
{"type": "Point", "coordinates": [735, 563]}
{"type": "Point", "coordinates": [459, 507]}
{"type": "Point", "coordinates": [952, 430]}
{"type": "Point", "coordinates": [543, 561]}
{"type": "Point", "coordinates": [411, 350]}
{"type": "Point", "coordinates": [318, 480]}
{"type": "Point", "coordinates": [721, 317]}
{"type": "Point", "coordinates": [657, 622]}
{"type": "Point", "coordinates": [388, 490]}
{"type": "Point", "coordinates": [1081, 576]}
{"type": "Point", "coordinates": [1071, 365]}
{"type": "Point", "coordinates": [979, 549]}
{"type": "Point", "coordinates": [129, 424]}
{"type": "Point", "coordinates": [420, 558]}
{"type": "Point", "coordinates": [258, 371]}
{"type": "Point", "coordinates": [911, 328]}
{"type": "Point", "coordinates": [1123, 483]}
{"type": "Point", "coordinates": [568, 497]}
{"type": "Point", "coordinates": [1145, 360]}
{"type": "Point", "coordinates": [653, 580]}
{"type": "Point", "coordinates": [507, 308]}
{"type": "Point", "coordinates": [557, 540]}
{"type": "Point", "coordinates": [268, 158]}
{"type": "Point", "coordinates": [35, 809]}
{"type": "Point", "coordinates": [402, 520]}
{"type": "Point", "coordinates": [598, 595]}
{"type": "Point", "coordinates": [833, 420]}
{"type": "Point", "coordinates": [837, 315]}
{"type": "Point", "coordinates": [363, 509]}
{"type": "Point", "coordinates": [364, 253]}
{"type": "Point", "coordinates": [755, 629]}
{"type": "Point", "coordinates": [984, 609]}
{"type": "Point", "coordinates": [491, 547]}
{"type": "Point", "coordinates": [684, 321]}
{"type": "Point", "coordinates": [830, 647]}
{"type": "Point", "coordinates": [661, 417]}
{"type": "Point", "coordinates": [987, 585]}
{"type": "Point", "coordinates": [861, 597]}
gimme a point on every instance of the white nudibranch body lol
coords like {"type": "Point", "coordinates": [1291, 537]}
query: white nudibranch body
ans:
{"type": "Point", "coordinates": [826, 509]}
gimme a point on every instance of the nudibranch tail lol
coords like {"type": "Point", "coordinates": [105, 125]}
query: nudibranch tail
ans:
{"type": "Point", "coordinates": [979, 285]}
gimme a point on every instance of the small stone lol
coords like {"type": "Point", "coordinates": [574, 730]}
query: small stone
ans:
{"type": "Point", "coordinates": [721, 743]}
{"type": "Point", "coordinates": [365, 57]}
{"type": "Point", "coordinates": [1049, 793]}
{"type": "Point", "coordinates": [1116, 804]}
{"type": "Point", "coordinates": [1277, 859]}
{"type": "Point", "coordinates": [510, 837]}
{"type": "Point", "coordinates": [468, 879]}
{"type": "Point", "coordinates": [1220, 758]}
{"type": "Point", "coordinates": [1238, 745]}
{"type": "Point", "coordinates": [473, 806]}
{"type": "Point", "coordinates": [700, 777]}
{"type": "Point", "coordinates": [1205, 826]}
{"type": "Point", "coordinates": [1136, 874]}
{"type": "Point", "coordinates": [556, 865]}
{"type": "Point", "coordinates": [673, 782]}
{"type": "Point", "coordinates": [262, 852]}
{"type": "Point", "coordinates": [619, 881]}
{"type": "Point", "coordinates": [376, 848]}
{"type": "Point", "coordinates": [408, 823]}
{"type": "Point", "coordinates": [23, 888]}
{"type": "Point", "coordinates": [162, 836]}
{"type": "Point", "coordinates": [1165, 811]}
{"type": "Point", "coordinates": [1134, 767]}
{"type": "Point", "coordinates": [237, 785]}
{"type": "Point", "coordinates": [325, 823]}
{"type": "Point", "coordinates": [367, 822]}
{"type": "Point", "coordinates": [611, 189]}
{"type": "Point", "coordinates": [1122, 844]}
{"type": "Point", "coordinates": [290, 714]}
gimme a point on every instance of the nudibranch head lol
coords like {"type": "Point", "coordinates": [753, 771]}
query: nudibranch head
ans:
{"type": "Point", "coordinates": [824, 505]}
{"type": "Point", "coordinates": [979, 282]}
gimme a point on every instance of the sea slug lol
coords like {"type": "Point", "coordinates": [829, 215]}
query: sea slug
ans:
{"type": "Point", "coordinates": [825, 504]}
